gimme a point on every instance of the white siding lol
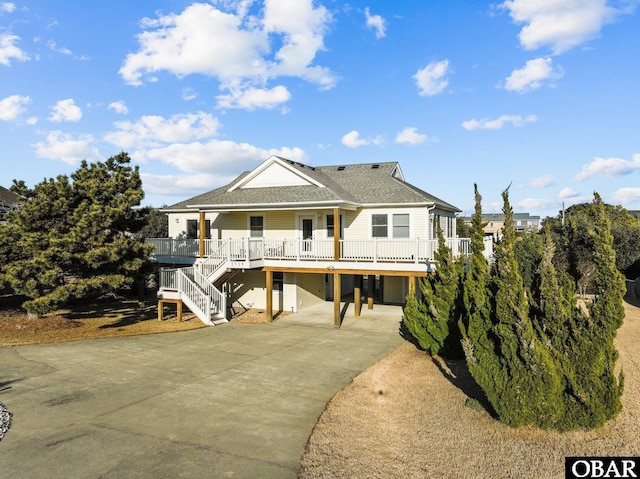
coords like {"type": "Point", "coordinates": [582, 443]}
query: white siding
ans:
{"type": "Point", "coordinates": [276, 175]}
{"type": "Point", "coordinates": [394, 289]}
{"type": "Point", "coordinates": [310, 290]}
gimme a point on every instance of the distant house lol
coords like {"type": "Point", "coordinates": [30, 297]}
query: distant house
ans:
{"type": "Point", "coordinates": [9, 201]}
{"type": "Point", "coordinates": [523, 223]}
{"type": "Point", "coordinates": [286, 236]}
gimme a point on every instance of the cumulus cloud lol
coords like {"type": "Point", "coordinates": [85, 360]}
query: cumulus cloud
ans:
{"type": "Point", "coordinates": [560, 24]}
{"type": "Point", "coordinates": [153, 130]}
{"type": "Point", "coordinates": [353, 140]}
{"type": "Point", "coordinates": [608, 167]}
{"type": "Point", "coordinates": [65, 110]}
{"type": "Point", "coordinates": [533, 75]}
{"type": "Point", "coordinates": [235, 47]}
{"type": "Point", "coordinates": [66, 148]}
{"type": "Point", "coordinates": [432, 79]}
{"type": "Point", "coordinates": [542, 182]}
{"type": "Point", "coordinates": [498, 123]}
{"type": "Point", "coordinates": [12, 106]}
{"type": "Point", "coordinates": [376, 23]}
{"type": "Point", "coordinates": [252, 98]}
{"type": "Point", "coordinates": [566, 193]}
{"type": "Point", "coordinates": [411, 136]}
{"type": "Point", "coordinates": [9, 51]}
{"type": "Point", "coordinates": [7, 7]}
{"type": "Point", "coordinates": [627, 196]}
{"type": "Point", "coordinates": [215, 156]}
{"type": "Point", "coordinates": [119, 107]}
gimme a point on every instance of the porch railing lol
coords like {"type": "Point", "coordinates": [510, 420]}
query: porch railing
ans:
{"type": "Point", "coordinates": [219, 252]}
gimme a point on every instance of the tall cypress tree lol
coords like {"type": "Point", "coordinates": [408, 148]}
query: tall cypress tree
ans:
{"type": "Point", "coordinates": [595, 389]}
{"type": "Point", "coordinates": [432, 320]}
{"type": "Point", "coordinates": [532, 391]}
{"type": "Point", "coordinates": [476, 325]}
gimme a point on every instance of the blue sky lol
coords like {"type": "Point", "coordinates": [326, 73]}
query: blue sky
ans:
{"type": "Point", "coordinates": [542, 96]}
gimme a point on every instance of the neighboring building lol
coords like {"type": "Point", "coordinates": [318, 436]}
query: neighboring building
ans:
{"type": "Point", "coordinates": [286, 236]}
{"type": "Point", "coordinates": [522, 222]}
{"type": "Point", "coordinates": [9, 201]}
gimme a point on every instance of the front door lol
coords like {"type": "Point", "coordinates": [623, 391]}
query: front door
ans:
{"type": "Point", "coordinates": [306, 225]}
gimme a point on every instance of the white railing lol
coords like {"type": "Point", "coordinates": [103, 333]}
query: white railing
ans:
{"type": "Point", "coordinates": [203, 299]}
{"type": "Point", "coordinates": [373, 250]}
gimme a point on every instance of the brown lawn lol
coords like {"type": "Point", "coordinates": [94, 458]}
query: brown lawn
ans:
{"type": "Point", "coordinates": [405, 417]}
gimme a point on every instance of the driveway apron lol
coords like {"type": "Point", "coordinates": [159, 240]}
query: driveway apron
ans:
{"type": "Point", "coordinates": [236, 400]}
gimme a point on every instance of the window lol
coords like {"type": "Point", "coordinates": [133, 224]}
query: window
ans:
{"type": "Point", "coordinates": [193, 229]}
{"type": "Point", "coordinates": [401, 226]}
{"type": "Point", "coordinates": [278, 281]}
{"type": "Point", "coordinates": [330, 227]}
{"type": "Point", "coordinates": [379, 226]}
{"type": "Point", "coordinates": [256, 226]}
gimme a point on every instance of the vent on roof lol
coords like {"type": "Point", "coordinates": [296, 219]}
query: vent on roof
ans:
{"type": "Point", "coordinates": [375, 167]}
{"type": "Point", "coordinates": [300, 165]}
{"type": "Point", "coordinates": [341, 168]}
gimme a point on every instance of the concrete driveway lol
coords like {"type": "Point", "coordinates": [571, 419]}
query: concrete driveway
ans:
{"type": "Point", "coordinates": [228, 401]}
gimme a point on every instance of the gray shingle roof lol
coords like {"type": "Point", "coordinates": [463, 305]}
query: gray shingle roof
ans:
{"type": "Point", "coordinates": [8, 197]}
{"type": "Point", "coordinates": [360, 184]}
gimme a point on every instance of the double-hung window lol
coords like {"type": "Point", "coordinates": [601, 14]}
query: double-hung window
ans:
{"type": "Point", "coordinates": [379, 226]}
{"type": "Point", "coordinates": [256, 226]}
{"type": "Point", "coordinates": [330, 227]}
{"type": "Point", "coordinates": [401, 226]}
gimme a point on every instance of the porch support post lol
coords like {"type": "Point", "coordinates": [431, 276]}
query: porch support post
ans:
{"type": "Point", "coordinates": [412, 285]}
{"type": "Point", "coordinates": [336, 234]}
{"type": "Point", "coordinates": [269, 309]}
{"type": "Point", "coordinates": [371, 286]}
{"type": "Point", "coordinates": [202, 233]}
{"type": "Point", "coordinates": [357, 295]}
{"type": "Point", "coordinates": [336, 300]}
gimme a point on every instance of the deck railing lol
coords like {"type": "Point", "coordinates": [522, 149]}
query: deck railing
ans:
{"type": "Point", "coordinates": [253, 249]}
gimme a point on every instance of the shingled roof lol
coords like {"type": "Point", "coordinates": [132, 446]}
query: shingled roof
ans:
{"type": "Point", "coordinates": [356, 185]}
{"type": "Point", "coordinates": [8, 197]}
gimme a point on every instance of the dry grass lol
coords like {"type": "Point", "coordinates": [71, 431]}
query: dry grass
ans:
{"type": "Point", "coordinates": [406, 417]}
{"type": "Point", "coordinates": [101, 319]}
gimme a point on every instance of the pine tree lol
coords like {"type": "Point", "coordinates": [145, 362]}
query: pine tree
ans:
{"type": "Point", "coordinates": [74, 237]}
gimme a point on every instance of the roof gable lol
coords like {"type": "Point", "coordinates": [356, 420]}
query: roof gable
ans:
{"type": "Point", "coordinates": [275, 172]}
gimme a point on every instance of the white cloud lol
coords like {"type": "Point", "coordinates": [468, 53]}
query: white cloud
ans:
{"type": "Point", "coordinates": [53, 47]}
{"type": "Point", "coordinates": [542, 182]}
{"type": "Point", "coordinates": [627, 196]}
{"type": "Point", "coordinates": [252, 98]}
{"type": "Point", "coordinates": [66, 148]}
{"type": "Point", "coordinates": [353, 140]}
{"type": "Point", "coordinates": [567, 192]}
{"type": "Point", "coordinates": [376, 22]}
{"type": "Point", "coordinates": [178, 185]}
{"type": "Point", "coordinates": [233, 46]}
{"type": "Point", "coordinates": [608, 167]}
{"type": "Point", "coordinates": [532, 76]}
{"type": "Point", "coordinates": [188, 94]}
{"type": "Point", "coordinates": [9, 51]}
{"type": "Point", "coordinates": [65, 110]}
{"type": "Point", "coordinates": [7, 7]}
{"type": "Point", "coordinates": [411, 136]}
{"type": "Point", "coordinates": [432, 79]}
{"type": "Point", "coordinates": [498, 123]}
{"type": "Point", "coordinates": [12, 106]}
{"type": "Point", "coordinates": [152, 130]}
{"type": "Point", "coordinates": [559, 24]}
{"type": "Point", "coordinates": [217, 157]}
{"type": "Point", "coordinates": [119, 107]}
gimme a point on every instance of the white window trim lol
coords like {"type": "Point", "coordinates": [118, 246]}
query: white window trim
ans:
{"type": "Point", "coordinates": [264, 225]}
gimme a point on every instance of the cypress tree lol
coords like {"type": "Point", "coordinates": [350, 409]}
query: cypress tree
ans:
{"type": "Point", "coordinates": [595, 390]}
{"type": "Point", "coordinates": [432, 320]}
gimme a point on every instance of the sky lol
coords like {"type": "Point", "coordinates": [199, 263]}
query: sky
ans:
{"type": "Point", "coordinates": [541, 97]}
